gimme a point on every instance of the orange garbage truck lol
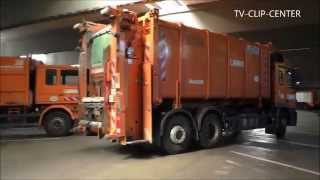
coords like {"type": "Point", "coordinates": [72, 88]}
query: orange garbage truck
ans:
{"type": "Point", "coordinates": [172, 85]}
{"type": "Point", "coordinates": [31, 91]}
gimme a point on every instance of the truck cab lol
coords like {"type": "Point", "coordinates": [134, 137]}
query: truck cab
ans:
{"type": "Point", "coordinates": [57, 97]}
{"type": "Point", "coordinates": [34, 93]}
{"type": "Point", "coordinates": [56, 84]}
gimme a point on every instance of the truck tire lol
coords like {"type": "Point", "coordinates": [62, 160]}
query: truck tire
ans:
{"type": "Point", "coordinates": [210, 134]}
{"type": "Point", "coordinates": [282, 127]}
{"type": "Point", "coordinates": [177, 136]}
{"type": "Point", "coordinates": [57, 123]}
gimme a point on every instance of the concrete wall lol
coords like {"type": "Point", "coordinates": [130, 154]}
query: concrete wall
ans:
{"type": "Point", "coordinates": [44, 42]}
{"type": "Point", "coordinates": [307, 61]}
{"type": "Point", "coordinates": [65, 57]}
{"type": "Point", "coordinates": [15, 12]}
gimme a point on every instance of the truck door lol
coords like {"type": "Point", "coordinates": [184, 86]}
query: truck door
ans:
{"type": "Point", "coordinates": [48, 88]}
{"type": "Point", "coordinates": [125, 100]}
{"type": "Point", "coordinates": [57, 85]}
{"type": "Point", "coordinates": [284, 95]}
{"type": "Point", "coordinates": [124, 76]}
{"type": "Point", "coordinates": [69, 82]}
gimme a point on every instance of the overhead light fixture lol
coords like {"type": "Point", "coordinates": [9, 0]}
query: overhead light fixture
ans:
{"type": "Point", "coordinates": [149, 6]}
{"type": "Point", "coordinates": [168, 6]}
{"type": "Point", "coordinates": [105, 11]}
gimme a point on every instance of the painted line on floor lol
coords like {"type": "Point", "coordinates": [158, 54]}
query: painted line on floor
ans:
{"type": "Point", "coordinates": [38, 139]}
{"type": "Point", "coordinates": [300, 144]}
{"type": "Point", "coordinates": [286, 141]}
{"type": "Point", "coordinates": [278, 163]}
{"type": "Point", "coordinates": [257, 147]}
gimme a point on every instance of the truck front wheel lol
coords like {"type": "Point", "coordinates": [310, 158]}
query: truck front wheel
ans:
{"type": "Point", "coordinates": [211, 131]}
{"type": "Point", "coordinates": [282, 127]}
{"type": "Point", "coordinates": [177, 136]}
{"type": "Point", "coordinates": [57, 123]}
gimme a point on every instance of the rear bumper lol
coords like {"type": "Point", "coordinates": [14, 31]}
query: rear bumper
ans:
{"type": "Point", "coordinates": [92, 126]}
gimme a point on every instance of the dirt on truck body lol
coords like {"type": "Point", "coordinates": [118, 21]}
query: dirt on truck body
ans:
{"type": "Point", "coordinates": [173, 85]}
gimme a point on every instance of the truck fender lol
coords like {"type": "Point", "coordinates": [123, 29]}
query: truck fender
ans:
{"type": "Point", "coordinates": [178, 111]}
{"type": "Point", "coordinates": [203, 112]}
{"type": "Point", "coordinates": [55, 107]}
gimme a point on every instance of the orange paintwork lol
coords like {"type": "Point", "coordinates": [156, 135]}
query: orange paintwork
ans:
{"type": "Point", "coordinates": [218, 66]}
{"type": "Point", "coordinates": [210, 65]}
{"type": "Point", "coordinates": [265, 66]}
{"type": "Point", "coordinates": [14, 78]}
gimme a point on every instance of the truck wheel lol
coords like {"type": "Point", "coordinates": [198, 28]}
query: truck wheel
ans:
{"type": "Point", "coordinates": [57, 123]}
{"type": "Point", "coordinates": [281, 129]}
{"type": "Point", "coordinates": [177, 135]}
{"type": "Point", "coordinates": [210, 133]}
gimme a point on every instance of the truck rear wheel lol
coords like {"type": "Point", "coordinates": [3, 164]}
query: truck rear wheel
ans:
{"type": "Point", "coordinates": [211, 131]}
{"type": "Point", "coordinates": [177, 136]}
{"type": "Point", "coordinates": [282, 127]}
{"type": "Point", "coordinates": [57, 123]}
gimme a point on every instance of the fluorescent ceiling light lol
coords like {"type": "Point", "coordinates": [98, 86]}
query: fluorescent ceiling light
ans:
{"type": "Point", "coordinates": [170, 6]}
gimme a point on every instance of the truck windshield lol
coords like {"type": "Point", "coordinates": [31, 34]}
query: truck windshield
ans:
{"type": "Point", "coordinates": [99, 50]}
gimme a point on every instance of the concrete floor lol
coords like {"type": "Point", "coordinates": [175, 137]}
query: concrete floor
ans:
{"type": "Point", "coordinates": [253, 155]}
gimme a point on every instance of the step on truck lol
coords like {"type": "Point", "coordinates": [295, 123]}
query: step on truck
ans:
{"type": "Point", "coordinates": [172, 85]}
{"type": "Point", "coordinates": [35, 93]}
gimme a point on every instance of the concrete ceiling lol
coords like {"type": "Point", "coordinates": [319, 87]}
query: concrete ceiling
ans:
{"type": "Point", "coordinates": [220, 16]}
{"type": "Point", "coordinates": [44, 26]}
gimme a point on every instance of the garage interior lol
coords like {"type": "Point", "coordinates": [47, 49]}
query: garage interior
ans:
{"type": "Point", "coordinates": [43, 30]}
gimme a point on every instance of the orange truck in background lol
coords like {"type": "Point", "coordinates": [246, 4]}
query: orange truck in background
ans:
{"type": "Point", "coordinates": [309, 98]}
{"type": "Point", "coordinates": [172, 85]}
{"type": "Point", "coordinates": [34, 92]}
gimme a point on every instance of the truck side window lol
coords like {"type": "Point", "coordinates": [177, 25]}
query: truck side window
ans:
{"type": "Point", "coordinates": [69, 77]}
{"type": "Point", "coordinates": [51, 77]}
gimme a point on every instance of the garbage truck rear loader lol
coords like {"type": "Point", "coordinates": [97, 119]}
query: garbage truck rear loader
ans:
{"type": "Point", "coordinates": [173, 85]}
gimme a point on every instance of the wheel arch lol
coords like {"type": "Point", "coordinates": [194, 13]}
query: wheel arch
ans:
{"type": "Point", "coordinates": [183, 112]}
{"type": "Point", "coordinates": [55, 108]}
